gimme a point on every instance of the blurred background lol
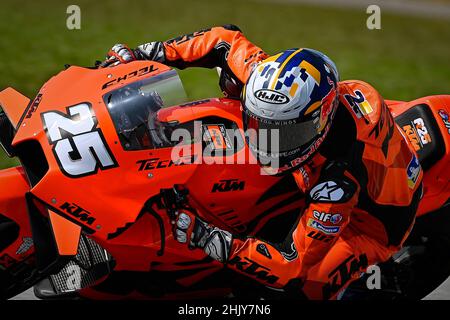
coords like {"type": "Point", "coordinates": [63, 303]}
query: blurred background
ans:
{"type": "Point", "coordinates": [408, 58]}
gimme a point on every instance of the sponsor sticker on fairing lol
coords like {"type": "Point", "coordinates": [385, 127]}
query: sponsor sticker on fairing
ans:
{"type": "Point", "coordinates": [422, 131]}
{"type": "Point", "coordinates": [216, 136]}
{"type": "Point", "coordinates": [325, 229]}
{"type": "Point", "coordinates": [417, 133]}
{"type": "Point", "coordinates": [445, 118]}
{"type": "Point", "coordinates": [413, 171]}
{"type": "Point", "coordinates": [412, 136]}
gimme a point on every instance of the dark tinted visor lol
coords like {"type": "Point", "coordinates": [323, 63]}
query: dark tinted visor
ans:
{"type": "Point", "coordinates": [277, 138]}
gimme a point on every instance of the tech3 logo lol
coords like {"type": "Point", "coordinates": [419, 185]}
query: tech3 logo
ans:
{"type": "Point", "coordinates": [135, 73]}
{"type": "Point", "coordinates": [343, 273]}
{"type": "Point", "coordinates": [78, 145]}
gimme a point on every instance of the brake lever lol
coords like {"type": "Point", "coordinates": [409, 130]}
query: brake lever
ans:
{"type": "Point", "coordinates": [107, 63]}
{"type": "Point", "coordinates": [174, 199]}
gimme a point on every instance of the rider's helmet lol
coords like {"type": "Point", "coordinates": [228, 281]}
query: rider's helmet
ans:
{"type": "Point", "coordinates": [295, 93]}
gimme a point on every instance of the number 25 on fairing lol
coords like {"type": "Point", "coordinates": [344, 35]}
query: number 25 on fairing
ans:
{"type": "Point", "coordinates": [78, 145]}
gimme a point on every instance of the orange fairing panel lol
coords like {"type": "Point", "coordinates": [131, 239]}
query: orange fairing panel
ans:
{"type": "Point", "coordinates": [14, 104]}
{"type": "Point", "coordinates": [67, 234]}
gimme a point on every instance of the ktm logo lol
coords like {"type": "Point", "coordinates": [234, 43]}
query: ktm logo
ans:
{"type": "Point", "coordinates": [228, 185]}
{"type": "Point", "coordinates": [413, 138]}
{"type": "Point", "coordinates": [34, 106]}
{"type": "Point", "coordinates": [343, 273]}
{"type": "Point", "coordinates": [271, 96]}
{"type": "Point", "coordinates": [77, 212]}
{"type": "Point", "coordinates": [417, 133]}
{"type": "Point", "coordinates": [252, 268]}
{"type": "Point", "coordinates": [187, 37]}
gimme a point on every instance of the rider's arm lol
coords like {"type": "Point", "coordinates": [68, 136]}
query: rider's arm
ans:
{"type": "Point", "coordinates": [329, 205]}
{"type": "Point", "coordinates": [224, 47]}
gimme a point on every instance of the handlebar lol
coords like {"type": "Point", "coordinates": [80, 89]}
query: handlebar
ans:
{"type": "Point", "coordinates": [106, 63]}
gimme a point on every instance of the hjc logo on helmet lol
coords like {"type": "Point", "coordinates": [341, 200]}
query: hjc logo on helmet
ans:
{"type": "Point", "coordinates": [270, 96]}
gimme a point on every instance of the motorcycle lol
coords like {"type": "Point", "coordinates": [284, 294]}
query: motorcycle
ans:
{"type": "Point", "coordinates": [88, 213]}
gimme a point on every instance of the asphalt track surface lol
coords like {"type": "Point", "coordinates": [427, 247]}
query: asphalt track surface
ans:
{"type": "Point", "coordinates": [441, 293]}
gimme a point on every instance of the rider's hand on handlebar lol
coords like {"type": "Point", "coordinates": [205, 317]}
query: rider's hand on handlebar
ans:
{"type": "Point", "coordinates": [122, 54]}
{"type": "Point", "coordinates": [197, 233]}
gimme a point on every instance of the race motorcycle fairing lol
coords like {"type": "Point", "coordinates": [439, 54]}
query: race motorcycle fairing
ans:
{"type": "Point", "coordinates": [423, 122]}
{"type": "Point", "coordinates": [96, 187]}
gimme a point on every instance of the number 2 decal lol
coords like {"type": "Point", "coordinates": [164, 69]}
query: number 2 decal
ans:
{"type": "Point", "coordinates": [78, 145]}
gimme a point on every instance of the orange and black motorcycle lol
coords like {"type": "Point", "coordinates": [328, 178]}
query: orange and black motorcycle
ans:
{"type": "Point", "coordinates": [87, 214]}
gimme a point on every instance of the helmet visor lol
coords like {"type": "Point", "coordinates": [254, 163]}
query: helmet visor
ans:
{"type": "Point", "coordinates": [278, 138]}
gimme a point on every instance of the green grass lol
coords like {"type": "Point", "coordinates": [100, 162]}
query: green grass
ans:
{"type": "Point", "coordinates": [407, 59]}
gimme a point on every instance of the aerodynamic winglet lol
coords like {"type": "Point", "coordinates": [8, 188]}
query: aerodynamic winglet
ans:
{"type": "Point", "coordinates": [13, 104]}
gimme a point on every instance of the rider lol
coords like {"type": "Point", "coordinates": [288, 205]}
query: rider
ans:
{"type": "Point", "coordinates": [361, 178]}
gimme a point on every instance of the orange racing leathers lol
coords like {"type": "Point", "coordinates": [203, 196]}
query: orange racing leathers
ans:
{"type": "Point", "coordinates": [362, 188]}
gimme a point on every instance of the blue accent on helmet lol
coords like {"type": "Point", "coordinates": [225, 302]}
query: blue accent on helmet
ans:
{"type": "Point", "coordinates": [284, 55]}
{"type": "Point", "coordinates": [265, 70]}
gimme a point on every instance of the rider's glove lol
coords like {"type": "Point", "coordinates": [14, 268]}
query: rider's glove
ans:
{"type": "Point", "coordinates": [198, 234]}
{"type": "Point", "coordinates": [122, 53]}
{"type": "Point", "coordinates": [148, 51]}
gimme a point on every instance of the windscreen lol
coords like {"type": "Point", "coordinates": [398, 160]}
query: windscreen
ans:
{"type": "Point", "coordinates": [133, 109]}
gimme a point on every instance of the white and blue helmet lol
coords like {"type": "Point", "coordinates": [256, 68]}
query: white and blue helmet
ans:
{"type": "Point", "coordinates": [295, 93]}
